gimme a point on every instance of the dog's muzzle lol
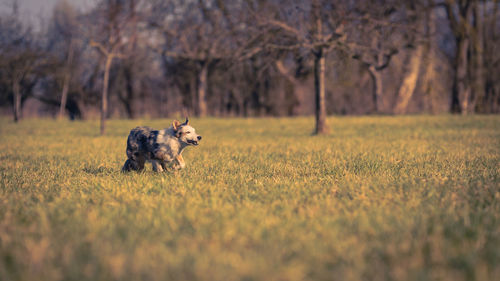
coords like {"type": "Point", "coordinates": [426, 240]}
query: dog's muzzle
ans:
{"type": "Point", "coordinates": [194, 142]}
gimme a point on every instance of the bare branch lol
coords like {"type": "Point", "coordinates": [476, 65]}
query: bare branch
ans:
{"type": "Point", "coordinates": [284, 71]}
{"type": "Point", "coordinates": [285, 47]}
{"type": "Point", "coordinates": [448, 5]}
{"type": "Point", "coordinates": [387, 60]}
{"type": "Point", "coordinates": [100, 47]}
{"type": "Point", "coordinates": [286, 27]}
{"type": "Point", "coordinates": [249, 54]}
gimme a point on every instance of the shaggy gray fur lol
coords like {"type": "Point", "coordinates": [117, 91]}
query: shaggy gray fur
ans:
{"type": "Point", "coordinates": [162, 147]}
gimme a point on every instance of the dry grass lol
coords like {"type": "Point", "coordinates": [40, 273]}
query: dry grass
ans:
{"type": "Point", "coordinates": [380, 198]}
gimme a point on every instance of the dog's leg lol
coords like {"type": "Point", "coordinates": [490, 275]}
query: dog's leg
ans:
{"type": "Point", "coordinates": [165, 165]}
{"type": "Point", "coordinates": [127, 166]}
{"type": "Point", "coordinates": [132, 165]}
{"type": "Point", "coordinates": [179, 163]}
{"type": "Point", "coordinates": [140, 162]}
{"type": "Point", "coordinates": [157, 167]}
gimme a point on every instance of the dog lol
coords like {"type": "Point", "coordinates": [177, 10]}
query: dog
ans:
{"type": "Point", "coordinates": [163, 148]}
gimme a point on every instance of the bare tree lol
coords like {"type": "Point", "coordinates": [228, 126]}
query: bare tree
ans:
{"type": "Point", "coordinates": [195, 23]}
{"type": "Point", "coordinates": [429, 58]}
{"type": "Point", "coordinates": [116, 22]}
{"type": "Point", "coordinates": [62, 42]}
{"type": "Point", "coordinates": [252, 57]}
{"type": "Point", "coordinates": [491, 37]}
{"type": "Point", "coordinates": [323, 32]}
{"type": "Point", "coordinates": [380, 33]}
{"type": "Point", "coordinates": [459, 16]}
{"type": "Point", "coordinates": [130, 63]}
{"type": "Point", "coordinates": [66, 81]}
{"type": "Point", "coordinates": [109, 55]}
{"type": "Point", "coordinates": [20, 60]}
{"type": "Point", "coordinates": [204, 33]}
{"type": "Point", "coordinates": [375, 62]}
{"type": "Point", "coordinates": [416, 30]}
{"type": "Point", "coordinates": [65, 24]}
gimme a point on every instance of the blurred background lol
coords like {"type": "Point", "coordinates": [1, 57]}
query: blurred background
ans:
{"type": "Point", "coordinates": [151, 59]}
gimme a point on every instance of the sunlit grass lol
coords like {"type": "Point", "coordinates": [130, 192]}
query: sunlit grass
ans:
{"type": "Point", "coordinates": [380, 198]}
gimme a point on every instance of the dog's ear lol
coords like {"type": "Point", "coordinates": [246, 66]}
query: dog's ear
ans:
{"type": "Point", "coordinates": [176, 124]}
{"type": "Point", "coordinates": [186, 122]}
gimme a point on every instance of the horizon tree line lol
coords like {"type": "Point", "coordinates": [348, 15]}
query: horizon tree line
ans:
{"type": "Point", "coordinates": [132, 58]}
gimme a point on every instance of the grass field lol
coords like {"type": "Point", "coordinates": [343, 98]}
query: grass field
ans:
{"type": "Point", "coordinates": [380, 198]}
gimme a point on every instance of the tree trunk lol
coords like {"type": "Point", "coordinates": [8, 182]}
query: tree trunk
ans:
{"type": "Point", "coordinates": [409, 83]}
{"type": "Point", "coordinates": [478, 82]}
{"type": "Point", "coordinates": [129, 111]}
{"type": "Point", "coordinates": [428, 61]}
{"type": "Point", "coordinates": [128, 100]}
{"type": "Point", "coordinates": [202, 89]}
{"type": "Point", "coordinates": [319, 90]}
{"type": "Point", "coordinates": [290, 87]}
{"type": "Point", "coordinates": [104, 103]}
{"type": "Point", "coordinates": [67, 76]}
{"type": "Point", "coordinates": [17, 100]}
{"type": "Point", "coordinates": [491, 102]}
{"type": "Point", "coordinates": [319, 72]}
{"type": "Point", "coordinates": [377, 88]}
{"type": "Point", "coordinates": [461, 93]}
{"type": "Point", "coordinates": [461, 89]}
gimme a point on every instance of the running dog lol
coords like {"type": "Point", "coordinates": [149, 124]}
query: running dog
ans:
{"type": "Point", "coordinates": [161, 147]}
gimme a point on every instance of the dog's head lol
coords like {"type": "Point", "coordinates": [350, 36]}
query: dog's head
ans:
{"type": "Point", "coordinates": [185, 133]}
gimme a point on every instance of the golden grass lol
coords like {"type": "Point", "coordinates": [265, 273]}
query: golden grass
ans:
{"type": "Point", "coordinates": [380, 198]}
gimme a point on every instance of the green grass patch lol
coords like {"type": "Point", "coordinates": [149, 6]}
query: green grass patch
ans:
{"type": "Point", "coordinates": [380, 198]}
